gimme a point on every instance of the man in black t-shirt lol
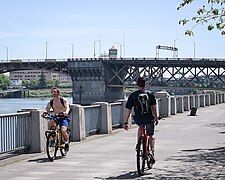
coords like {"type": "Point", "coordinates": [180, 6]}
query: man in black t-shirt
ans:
{"type": "Point", "coordinates": [144, 104]}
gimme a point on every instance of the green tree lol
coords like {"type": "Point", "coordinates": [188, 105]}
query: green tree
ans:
{"type": "Point", "coordinates": [4, 82]}
{"type": "Point", "coordinates": [212, 13]}
{"type": "Point", "coordinates": [42, 81]}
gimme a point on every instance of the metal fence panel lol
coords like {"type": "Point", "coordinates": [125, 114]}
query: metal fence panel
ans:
{"type": "Point", "coordinates": [116, 114]}
{"type": "Point", "coordinates": [13, 128]}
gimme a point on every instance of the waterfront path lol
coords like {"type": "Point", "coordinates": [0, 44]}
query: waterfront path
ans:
{"type": "Point", "coordinates": [187, 147]}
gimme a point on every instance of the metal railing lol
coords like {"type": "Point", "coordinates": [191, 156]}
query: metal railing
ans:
{"type": "Point", "coordinates": [13, 131]}
{"type": "Point", "coordinates": [92, 116]}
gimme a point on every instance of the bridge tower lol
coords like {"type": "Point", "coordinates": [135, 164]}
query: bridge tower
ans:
{"type": "Point", "coordinates": [90, 78]}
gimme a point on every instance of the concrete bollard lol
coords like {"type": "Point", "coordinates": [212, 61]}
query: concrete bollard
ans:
{"type": "Point", "coordinates": [212, 95]}
{"type": "Point", "coordinates": [197, 100]}
{"type": "Point", "coordinates": [186, 103]}
{"type": "Point", "coordinates": [180, 104]}
{"type": "Point", "coordinates": [173, 105]}
{"type": "Point", "coordinates": [217, 98]}
{"type": "Point", "coordinates": [36, 132]}
{"type": "Point", "coordinates": [202, 100]}
{"type": "Point", "coordinates": [106, 118]}
{"type": "Point", "coordinates": [164, 107]}
{"type": "Point", "coordinates": [223, 98]}
{"type": "Point", "coordinates": [78, 132]}
{"type": "Point", "coordinates": [207, 99]}
{"type": "Point", "coordinates": [192, 101]}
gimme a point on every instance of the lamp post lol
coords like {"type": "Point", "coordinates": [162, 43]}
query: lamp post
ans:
{"type": "Point", "coordinates": [174, 45]}
{"type": "Point", "coordinates": [120, 49]}
{"type": "Point", "coordinates": [72, 50]}
{"type": "Point", "coordinates": [46, 49]}
{"type": "Point", "coordinates": [194, 48]}
{"type": "Point", "coordinates": [7, 52]}
{"type": "Point", "coordinates": [95, 45]}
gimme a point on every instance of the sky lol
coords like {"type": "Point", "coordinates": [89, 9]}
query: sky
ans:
{"type": "Point", "coordinates": [134, 27]}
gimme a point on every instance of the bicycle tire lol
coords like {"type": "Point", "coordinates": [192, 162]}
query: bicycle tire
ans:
{"type": "Point", "coordinates": [51, 150]}
{"type": "Point", "coordinates": [140, 156]}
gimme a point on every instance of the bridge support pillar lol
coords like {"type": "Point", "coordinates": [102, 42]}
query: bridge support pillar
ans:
{"type": "Point", "coordinates": [95, 81]}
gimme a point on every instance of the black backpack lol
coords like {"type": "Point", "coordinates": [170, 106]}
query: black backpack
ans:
{"type": "Point", "coordinates": [143, 107]}
{"type": "Point", "coordinates": [62, 102]}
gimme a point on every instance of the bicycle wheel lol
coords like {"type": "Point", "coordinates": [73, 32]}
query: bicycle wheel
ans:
{"type": "Point", "coordinates": [141, 156]}
{"type": "Point", "coordinates": [51, 146]}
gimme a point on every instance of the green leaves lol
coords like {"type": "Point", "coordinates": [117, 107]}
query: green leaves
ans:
{"type": "Point", "coordinates": [213, 13]}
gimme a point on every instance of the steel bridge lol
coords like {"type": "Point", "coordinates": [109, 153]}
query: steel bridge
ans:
{"type": "Point", "coordinates": [104, 77]}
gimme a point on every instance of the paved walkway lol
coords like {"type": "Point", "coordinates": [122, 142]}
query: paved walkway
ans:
{"type": "Point", "coordinates": [187, 147]}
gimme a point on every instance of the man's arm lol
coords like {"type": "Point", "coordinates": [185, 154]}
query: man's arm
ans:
{"type": "Point", "coordinates": [67, 107]}
{"type": "Point", "coordinates": [154, 113]}
{"type": "Point", "coordinates": [126, 117]}
{"type": "Point", "coordinates": [47, 109]}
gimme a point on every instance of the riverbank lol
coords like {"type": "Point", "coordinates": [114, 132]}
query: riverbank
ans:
{"type": "Point", "coordinates": [44, 93]}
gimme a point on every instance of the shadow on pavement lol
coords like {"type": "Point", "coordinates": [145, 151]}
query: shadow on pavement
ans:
{"type": "Point", "coordinates": [43, 160]}
{"type": "Point", "coordinates": [198, 164]}
{"type": "Point", "coordinates": [126, 175]}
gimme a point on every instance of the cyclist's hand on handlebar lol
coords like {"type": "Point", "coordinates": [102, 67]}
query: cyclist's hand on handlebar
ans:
{"type": "Point", "coordinates": [156, 121]}
{"type": "Point", "coordinates": [44, 114]}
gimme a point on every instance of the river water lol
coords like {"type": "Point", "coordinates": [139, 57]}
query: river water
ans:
{"type": "Point", "coordinates": [12, 105]}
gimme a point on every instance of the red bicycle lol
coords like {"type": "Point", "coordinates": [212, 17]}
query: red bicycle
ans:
{"type": "Point", "coordinates": [145, 159]}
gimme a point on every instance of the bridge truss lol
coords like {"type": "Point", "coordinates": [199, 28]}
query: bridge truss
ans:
{"type": "Point", "coordinates": [199, 73]}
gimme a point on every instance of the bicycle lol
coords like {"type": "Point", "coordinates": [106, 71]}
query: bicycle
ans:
{"type": "Point", "coordinates": [54, 139]}
{"type": "Point", "coordinates": [143, 156]}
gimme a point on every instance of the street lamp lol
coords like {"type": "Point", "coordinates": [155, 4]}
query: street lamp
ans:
{"type": "Point", "coordinates": [46, 49]}
{"type": "Point", "coordinates": [120, 49]}
{"type": "Point", "coordinates": [72, 50]}
{"type": "Point", "coordinates": [95, 45]}
{"type": "Point", "coordinates": [7, 52]}
{"type": "Point", "coordinates": [194, 48]}
{"type": "Point", "coordinates": [174, 45]}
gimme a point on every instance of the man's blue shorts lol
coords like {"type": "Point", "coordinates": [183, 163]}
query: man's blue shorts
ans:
{"type": "Point", "coordinates": [64, 122]}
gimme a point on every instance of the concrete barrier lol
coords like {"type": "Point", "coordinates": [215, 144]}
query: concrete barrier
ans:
{"type": "Point", "coordinates": [173, 105]}
{"type": "Point", "coordinates": [186, 103]}
{"type": "Point", "coordinates": [180, 104]}
{"type": "Point", "coordinates": [202, 100]}
{"type": "Point", "coordinates": [164, 108]}
{"type": "Point", "coordinates": [192, 101]}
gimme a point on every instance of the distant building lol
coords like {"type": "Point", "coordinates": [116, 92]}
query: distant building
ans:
{"type": "Point", "coordinates": [16, 77]}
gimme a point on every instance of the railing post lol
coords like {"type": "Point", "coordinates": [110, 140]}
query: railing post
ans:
{"type": "Point", "coordinates": [36, 132]}
{"type": "Point", "coordinates": [164, 109]}
{"type": "Point", "coordinates": [186, 103]}
{"type": "Point", "coordinates": [207, 99]}
{"type": "Point", "coordinates": [180, 104]}
{"type": "Point", "coordinates": [173, 105]}
{"type": "Point", "coordinates": [106, 118]}
{"type": "Point", "coordinates": [78, 132]}
{"type": "Point", "coordinates": [123, 110]}
{"type": "Point", "coordinates": [202, 100]}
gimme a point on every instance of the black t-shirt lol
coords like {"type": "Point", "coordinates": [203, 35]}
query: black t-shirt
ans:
{"type": "Point", "coordinates": [133, 101]}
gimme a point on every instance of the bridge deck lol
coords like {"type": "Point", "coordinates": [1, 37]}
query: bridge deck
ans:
{"type": "Point", "coordinates": [187, 147]}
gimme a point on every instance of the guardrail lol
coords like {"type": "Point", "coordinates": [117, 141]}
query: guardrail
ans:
{"type": "Point", "coordinates": [13, 131]}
